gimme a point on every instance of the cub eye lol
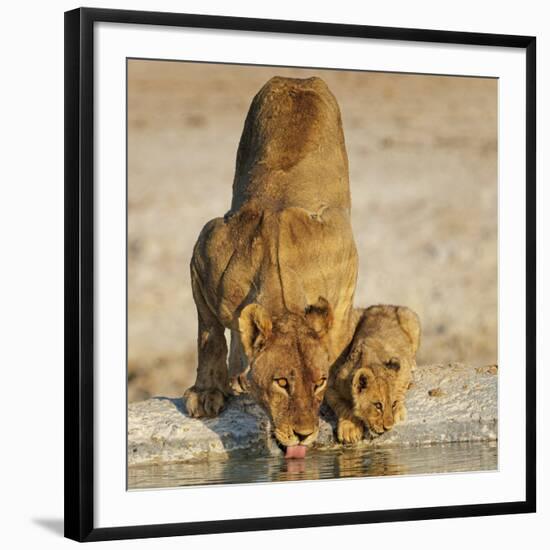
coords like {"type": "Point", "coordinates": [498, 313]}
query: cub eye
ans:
{"type": "Point", "coordinates": [320, 383]}
{"type": "Point", "coordinates": [379, 405]}
{"type": "Point", "coordinates": [282, 382]}
{"type": "Point", "coordinates": [393, 363]}
{"type": "Point", "coordinates": [394, 404]}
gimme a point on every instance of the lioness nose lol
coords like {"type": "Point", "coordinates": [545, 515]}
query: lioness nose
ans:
{"type": "Point", "coordinates": [301, 435]}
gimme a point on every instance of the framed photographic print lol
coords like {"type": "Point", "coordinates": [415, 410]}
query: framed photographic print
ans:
{"type": "Point", "coordinates": [300, 274]}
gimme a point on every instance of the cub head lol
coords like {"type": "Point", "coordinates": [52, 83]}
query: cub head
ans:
{"type": "Point", "coordinates": [289, 362]}
{"type": "Point", "coordinates": [380, 364]}
{"type": "Point", "coordinates": [373, 396]}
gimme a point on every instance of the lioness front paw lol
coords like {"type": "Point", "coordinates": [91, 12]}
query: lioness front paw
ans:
{"type": "Point", "coordinates": [350, 431]}
{"type": "Point", "coordinates": [400, 413]}
{"type": "Point", "coordinates": [203, 403]}
{"type": "Point", "coordinates": [239, 384]}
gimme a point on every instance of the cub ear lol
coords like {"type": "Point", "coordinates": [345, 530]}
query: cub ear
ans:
{"type": "Point", "coordinates": [255, 327]}
{"type": "Point", "coordinates": [360, 380]}
{"type": "Point", "coordinates": [319, 316]}
{"type": "Point", "coordinates": [410, 323]}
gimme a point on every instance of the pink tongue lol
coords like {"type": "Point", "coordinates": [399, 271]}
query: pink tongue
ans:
{"type": "Point", "coordinates": [296, 451]}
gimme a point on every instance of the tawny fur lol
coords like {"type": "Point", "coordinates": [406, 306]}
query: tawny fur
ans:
{"type": "Point", "coordinates": [286, 250]}
{"type": "Point", "coordinates": [367, 386]}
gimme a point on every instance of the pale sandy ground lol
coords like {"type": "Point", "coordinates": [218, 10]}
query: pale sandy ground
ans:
{"type": "Point", "coordinates": [423, 163]}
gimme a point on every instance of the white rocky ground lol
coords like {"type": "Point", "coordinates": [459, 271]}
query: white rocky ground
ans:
{"type": "Point", "coordinates": [447, 403]}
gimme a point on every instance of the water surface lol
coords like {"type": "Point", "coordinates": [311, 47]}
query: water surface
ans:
{"type": "Point", "coordinates": [340, 463]}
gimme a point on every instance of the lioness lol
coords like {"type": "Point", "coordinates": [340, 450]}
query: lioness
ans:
{"type": "Point", "coordinates": [279, 269]}
{"type": "Point", "coordinates": [367, 385]}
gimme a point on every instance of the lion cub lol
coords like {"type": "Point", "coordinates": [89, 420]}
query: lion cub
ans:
{"type": "Point", "coordinates": [367, 385]}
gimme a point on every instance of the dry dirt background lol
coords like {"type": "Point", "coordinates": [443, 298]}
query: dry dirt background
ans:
{"type": "Point", "coordinates": [423, 172]}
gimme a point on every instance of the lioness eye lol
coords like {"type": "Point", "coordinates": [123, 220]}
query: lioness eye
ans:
{"type": "Point", "coordinates": [320, 383]}
{"type": "Point", "coordinates": [283, 382]}
{"type": "Point", "coordinates": [378, 405]}
{"type": "Point", "coordinates": [394, 404]}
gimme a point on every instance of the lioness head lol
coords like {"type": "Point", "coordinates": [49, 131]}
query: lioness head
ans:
{"type": "Point", "coordinates": [288, 371]}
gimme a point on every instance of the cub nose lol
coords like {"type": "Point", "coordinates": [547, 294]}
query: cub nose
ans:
{"type": "Point", "coordinates": [301, 435]}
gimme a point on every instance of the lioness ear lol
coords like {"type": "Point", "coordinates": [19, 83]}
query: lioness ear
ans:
{"type": "Point", "coordinates": [360, 380]}
{"type": "Point", "coordinates": [319, 316]}
{"type": "Point", "coordinates": [255, 327]}
{"type": "Point", "coordinates": [410, 323]}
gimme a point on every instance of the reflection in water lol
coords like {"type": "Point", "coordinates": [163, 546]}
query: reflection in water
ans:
{"type": "Point", "coordinates": [340, 463]}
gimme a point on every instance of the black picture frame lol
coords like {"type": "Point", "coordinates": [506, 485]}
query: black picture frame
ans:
{"type": "Point", "coordinates": [79, 272]}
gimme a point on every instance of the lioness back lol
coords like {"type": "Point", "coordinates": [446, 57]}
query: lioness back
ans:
{"type": "Point", "coordinates": [292, 150]}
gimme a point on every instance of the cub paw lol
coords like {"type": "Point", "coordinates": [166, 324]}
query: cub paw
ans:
{"type": "Point", "coordinates": [400, 413]}
{"type": "Point", "coordinates": [350, 431]}
{"type": "Point", "coordinates": [203, 403]}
